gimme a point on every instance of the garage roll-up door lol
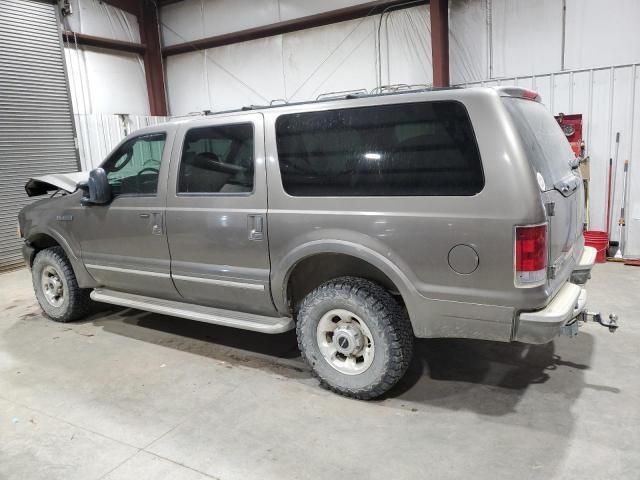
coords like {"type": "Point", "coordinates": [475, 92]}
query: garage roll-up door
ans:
{"type": "Point", "coordinates": [36, 123]}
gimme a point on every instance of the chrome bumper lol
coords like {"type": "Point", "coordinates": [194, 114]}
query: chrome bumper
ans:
{"type": "Point", "coordinates": [543, 325]}
{"type": "Point", "coordinates": [582, 271]}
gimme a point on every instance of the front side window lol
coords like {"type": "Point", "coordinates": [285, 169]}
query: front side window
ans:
{"type": "Point", "coordinates": [410, 149]}
{"type": "Point", "coordinates": [134, 168]}
{"type": "Point", "coordinates": [217, 159]}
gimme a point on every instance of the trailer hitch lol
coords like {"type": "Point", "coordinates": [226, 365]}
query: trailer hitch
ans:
{"type": "Point", "coordinates": [611, 324]}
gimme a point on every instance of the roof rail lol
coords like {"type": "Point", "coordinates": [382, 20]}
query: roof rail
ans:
{"type": "Point", "coordinates": [252, 107]}
{"type": "Point", "coordinates": [343, 94]}
{"type": "Point", "coordinates": [397, 87]}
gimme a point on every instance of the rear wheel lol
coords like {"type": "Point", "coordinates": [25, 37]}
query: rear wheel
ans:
{"type": "Point", "coordinates": [56, 286]}
{"type": "Point", "coordinates": [355, 337]}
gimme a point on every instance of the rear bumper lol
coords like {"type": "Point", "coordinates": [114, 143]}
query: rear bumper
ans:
{"type": "Point", "coordinates": [543, 325]}
{"type": "Point", "coordinates": [582, 271]}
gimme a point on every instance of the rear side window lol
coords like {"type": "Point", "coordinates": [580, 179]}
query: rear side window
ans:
{"type": "Point", "coordinates": [415, 149]}
{"type": "Point", "coordinates": [217, 159]}
{"type": "Point", "coordinates": [545, 144]}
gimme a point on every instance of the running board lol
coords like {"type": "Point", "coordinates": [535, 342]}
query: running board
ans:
{"type": "Point", "coordinates": [228, 318]}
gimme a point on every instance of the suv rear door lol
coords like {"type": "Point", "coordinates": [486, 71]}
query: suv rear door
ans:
{"type": "Point", "coordinates": [550, 156]}
{"type": "Point", "coordinates": [216, 214]}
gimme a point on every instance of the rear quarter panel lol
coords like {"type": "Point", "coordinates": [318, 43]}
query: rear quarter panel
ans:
{"type": "Point", "coordinates": [409, 238]}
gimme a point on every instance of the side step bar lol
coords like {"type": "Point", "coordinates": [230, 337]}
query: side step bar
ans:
{"type": "Point", "coordinates": [228, 318]}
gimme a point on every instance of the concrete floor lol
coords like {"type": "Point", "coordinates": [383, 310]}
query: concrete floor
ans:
{"type": "Point", "coordinates": [131, 395]}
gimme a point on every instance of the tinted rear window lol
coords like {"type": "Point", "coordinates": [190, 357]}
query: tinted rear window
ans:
{"type": "Point", "coordinates": [545, 144]}
{"type": "Point", "coordinates": [416, 149]}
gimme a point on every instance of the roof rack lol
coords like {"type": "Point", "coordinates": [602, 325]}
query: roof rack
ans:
{"type": "Point", "coordinates": [399, 87]}
{"type": "Point", "coordinates": [396, 89]}
{"type": "Point", "coordinates": [343, 94]}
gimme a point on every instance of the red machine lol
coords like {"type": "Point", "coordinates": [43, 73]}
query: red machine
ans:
{"type": "Point", "coordinates": [572, 127]}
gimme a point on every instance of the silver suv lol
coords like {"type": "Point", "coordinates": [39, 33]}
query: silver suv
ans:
{"type": "Point", "coordinates": [361, 222]}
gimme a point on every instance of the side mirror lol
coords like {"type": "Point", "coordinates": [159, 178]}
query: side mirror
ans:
{"type": "Point", "coordinates": [96, 190]}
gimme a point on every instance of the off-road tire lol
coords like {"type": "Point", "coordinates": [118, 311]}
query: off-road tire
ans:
{"type": "Point", "coordinates": [76, 302]}
{"type": "Point", "coordinates": [386, 320]}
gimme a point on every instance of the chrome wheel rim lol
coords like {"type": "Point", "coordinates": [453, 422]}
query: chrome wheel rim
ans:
{"type": "Point", "coordinates": [52, 286]}
{"type": "Point", "coordinates": [345, 341]}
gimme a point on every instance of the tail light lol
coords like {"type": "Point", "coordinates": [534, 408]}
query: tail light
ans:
{"type": "Point", "coordinates": [529, 94]}
{"type": "Point", "coordinates": [531, 255]}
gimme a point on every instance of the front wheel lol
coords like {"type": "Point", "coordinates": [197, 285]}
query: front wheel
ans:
{"type": "Point", "coordinates": [355, 337]}
{"type": "Point", "coordinates": [56, 287]}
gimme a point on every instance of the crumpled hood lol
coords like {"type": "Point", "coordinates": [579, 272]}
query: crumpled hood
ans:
{"type": "Point", "coordinates": [56, 181]}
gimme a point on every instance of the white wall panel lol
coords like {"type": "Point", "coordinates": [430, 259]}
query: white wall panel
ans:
{"type": "Point", "coordinates": [623, 84]}
{"type": "Point", "coordinates": [562, 89]}
{"type": "Point", "coordinates": [187, 85]}
{"type": "Point", "coordinates": [526, 36]}
{"type": "Point", "coordinates": [290, 9]}
{"type": "Point", "coordinates": [194, 19]}
{"type": "Point", "coordinates": [101, 20]}
{"type": "Point", "coordinates": [602, 33]}
{"type": "Point", "coordinates": [182, 22]}
{"type": "Point", "coordinates": [581, 95]}
{"type": "Point", "coordinates": [334, 57]}
{"type": "Point", "coordinates": [405, 45]}
{"type": "Point", "coordinates": [599, 146]}
{"type": "Point", "coordinates": [468, 49]}
{"type": "Point", "coordinates": [102, 81]}
{"type": "Point", "coordinates": [245, 73]}
{"type": "Point", "coordinates": [302, 65]}
{"type": "Point", "coordinates": [525, 82]}
{"type": "Point", "coordinates": [633, 201]}
{"type": "Point", "coordinates": [225, 16]}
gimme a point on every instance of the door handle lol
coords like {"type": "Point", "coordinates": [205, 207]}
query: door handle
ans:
{"type": "Point", "coordinates": [256, 227]}
{"type": "Point", "coordinates": [157, 223]}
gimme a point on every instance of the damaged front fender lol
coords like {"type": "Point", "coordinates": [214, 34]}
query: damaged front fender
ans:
{"type": "Point", "coordinates": [56, 181]}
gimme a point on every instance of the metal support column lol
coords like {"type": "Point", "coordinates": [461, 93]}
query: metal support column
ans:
{"type": "Point", "coordinates": [439, 10]}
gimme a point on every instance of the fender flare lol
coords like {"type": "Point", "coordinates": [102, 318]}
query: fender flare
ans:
{"type": "Point", "coordinates": [285, 267]}
{"type": "Point", "coordinates": [84, 278]}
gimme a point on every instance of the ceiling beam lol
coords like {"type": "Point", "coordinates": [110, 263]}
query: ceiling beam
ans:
{"type": "Point", "coordinates": [317, 20]}
{"type": "Point", "coordinates": [73, 38]}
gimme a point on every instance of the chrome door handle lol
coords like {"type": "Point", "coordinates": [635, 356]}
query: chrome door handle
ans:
{"type": "Point", "coordinates": [256, 227]}
{"type": "Point", "coordinates": [157, 224]}
{"type": "Point", "coordinates": [144, 215]}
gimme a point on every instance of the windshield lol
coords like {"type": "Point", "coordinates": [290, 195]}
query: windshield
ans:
{"type": "Point", "coordinates": [546, 146]}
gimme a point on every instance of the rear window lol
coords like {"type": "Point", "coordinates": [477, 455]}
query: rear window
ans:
{"type": "Point", "coordinates": [546, 146]}
{"type": "Point", "coordinates": [416, 149]}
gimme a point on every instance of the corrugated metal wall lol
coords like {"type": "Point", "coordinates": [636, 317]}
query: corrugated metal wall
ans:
{"type": "Point", "coordinates": [609, 100]}
{"type": "Point", "coordinates": [36, 126]}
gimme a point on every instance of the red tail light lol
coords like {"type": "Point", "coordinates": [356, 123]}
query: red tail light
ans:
{"type": "Point", "coordinates": [531, 255]}
{"type": "Point", "coordinates": [529, 94]}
